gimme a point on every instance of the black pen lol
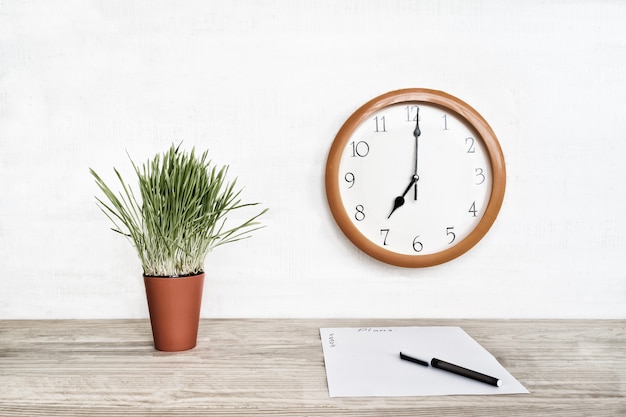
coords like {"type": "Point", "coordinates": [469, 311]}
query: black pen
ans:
{"type": "Point", "coordinates": [455, 369]}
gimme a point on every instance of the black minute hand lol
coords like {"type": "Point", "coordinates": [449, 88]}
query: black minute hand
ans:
{"type": "Point", "coordinates": [417, 132]}
{"type": "Point", "coordinates": [399, 201]}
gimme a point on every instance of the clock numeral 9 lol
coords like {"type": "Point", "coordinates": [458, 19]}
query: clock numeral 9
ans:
{"type": "Point", "coordinates": [359, 215]}
{"type": "Point", "coordinates": [360, 149]}
{"type": "Point", "coordinates": [349, 177]}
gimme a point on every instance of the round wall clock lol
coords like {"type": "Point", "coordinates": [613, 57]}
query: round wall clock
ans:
{"type": "Point", "coordinates": [415, 177]}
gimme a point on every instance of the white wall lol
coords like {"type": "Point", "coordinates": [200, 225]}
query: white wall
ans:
{"type": "Point", "coordinates": [265, 85]}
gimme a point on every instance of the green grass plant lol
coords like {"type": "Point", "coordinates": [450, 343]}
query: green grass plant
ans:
{"type": "Point", "coordinates": [181, 214]}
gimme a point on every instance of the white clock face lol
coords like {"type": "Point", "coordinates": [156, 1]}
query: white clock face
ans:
{"type": "Point", "coordinates": [415, 200]}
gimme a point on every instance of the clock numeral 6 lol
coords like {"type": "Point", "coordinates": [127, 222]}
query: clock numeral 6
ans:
{"type": "Point", "coordinates": [360, 213]}
{"type": "Point", "coordinates": [417, 245]}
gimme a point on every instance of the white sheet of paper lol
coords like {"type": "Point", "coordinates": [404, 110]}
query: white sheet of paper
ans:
{"type": "Point", "coordinates": [365, 362]}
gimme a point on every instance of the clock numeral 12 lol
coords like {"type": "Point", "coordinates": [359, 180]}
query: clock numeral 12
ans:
{"type": "Point", "coordinates": [412, 113]}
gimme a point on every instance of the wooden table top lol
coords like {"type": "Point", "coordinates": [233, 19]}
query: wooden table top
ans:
{"type": "Point", "coordinates": [275, 367]}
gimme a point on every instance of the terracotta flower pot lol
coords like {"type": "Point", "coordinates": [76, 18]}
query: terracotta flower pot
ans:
{"type": "Point", "coordinates": [174, 305]}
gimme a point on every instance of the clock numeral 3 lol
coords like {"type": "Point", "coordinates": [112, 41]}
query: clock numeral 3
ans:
{"type": "Point", "coordinates": [480, 176]}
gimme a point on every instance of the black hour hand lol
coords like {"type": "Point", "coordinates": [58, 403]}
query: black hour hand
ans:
{"type": "Point", "coordinates": [399, 201]}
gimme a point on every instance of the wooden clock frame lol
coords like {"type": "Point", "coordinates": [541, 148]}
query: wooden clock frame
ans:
{"type": "Point", "coordinates": [432, 97]}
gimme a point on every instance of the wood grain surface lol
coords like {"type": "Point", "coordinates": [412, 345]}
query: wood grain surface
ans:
{"type": "Point", "coordinates": [246, 367]}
